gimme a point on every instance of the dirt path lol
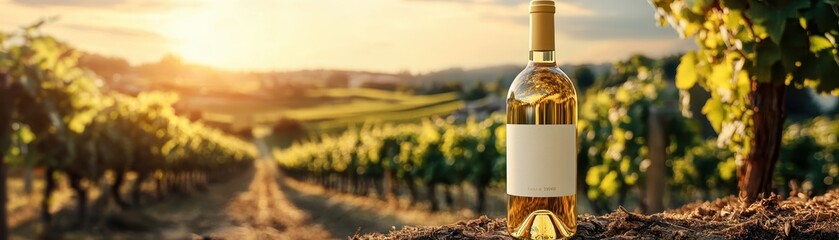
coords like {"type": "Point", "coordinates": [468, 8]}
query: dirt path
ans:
{"type": "Point", "coordinates": [263, 212]}
{"type": "Point", "coordinates": [345, 215]}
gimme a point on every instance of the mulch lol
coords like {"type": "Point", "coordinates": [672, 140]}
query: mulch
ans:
{"type": "Point", "coordinates": [797, 217]}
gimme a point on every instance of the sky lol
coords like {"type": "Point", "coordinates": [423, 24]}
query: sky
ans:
{"type": "Point", "coordinates": [371, 35]}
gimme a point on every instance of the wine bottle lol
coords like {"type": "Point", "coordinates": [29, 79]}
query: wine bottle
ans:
{"type": "Point", "coordinates": [542, 139]}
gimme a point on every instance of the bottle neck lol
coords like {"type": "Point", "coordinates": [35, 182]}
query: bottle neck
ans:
{"type": "Point", "coordinates": [542, 44]}
{"type": "Point", "coordinates": [544, 57]}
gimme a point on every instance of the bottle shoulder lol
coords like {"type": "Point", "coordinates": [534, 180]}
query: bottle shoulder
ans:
{"type": "Point", "coordinates": [537, 82]}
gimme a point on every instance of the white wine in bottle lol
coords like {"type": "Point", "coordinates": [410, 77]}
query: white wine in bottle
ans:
{"type": "Point", "coordinates": [542, 139]}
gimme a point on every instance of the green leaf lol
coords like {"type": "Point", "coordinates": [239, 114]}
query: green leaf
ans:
{"type": "Point", "coordinates": [823, 16]}
{"type": "Point", "coordinates": [794, 46]}
{"type": "Point", "coordinates": [609, 185]}
{"type": "Point", "coordinates": [767, 54]}
{"type": "Point", "coordinates": [821, 73]}
{"type": "Point", "coordinates": [700, 6]}
{"type": "Point", "coordinates": [771, 19]}
{"type": "Point", "coordinates": [733, 4]}
{"type": "Point", "coordinates": [691, 22]}
{"type": "Point", "coordinates": [686, 74]}
{"type": "Point", "coordinates": [721, 76]}
{"type": "Point", "coordinates": [819, 43]}
{"type": "Point", "coordinates": [715, 113]}
{"type": "Point", "coordinates": [734, 21]}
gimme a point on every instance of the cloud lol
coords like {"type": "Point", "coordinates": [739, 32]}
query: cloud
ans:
{"type": "Point", "coordinates": [78, 3]}
{"type": "Point", "coordinates": [615, 19]}
{"type": "Point", "coordinates": [116, 31]}
{"type": "Point", "coordinates": [587, 19]}
{"type": "Point", "coordinates": [621, 27]}
{"type": "Point", "coordinates": [492, 2]}
{"type": "Point", "coordinates": [122, 5]}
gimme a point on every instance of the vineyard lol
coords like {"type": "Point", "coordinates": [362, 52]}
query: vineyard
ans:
{"type": "Point", "coordinates": [735, 138]}
{"type": "Point", "coordinates": [614, 152]}
{"type": "Point", "coordinates": [58, 119]}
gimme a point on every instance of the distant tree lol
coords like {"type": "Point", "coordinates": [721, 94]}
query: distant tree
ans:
{"type": "Point", "coordinates": [585, 77]}
{"type": "Point", "coordinates": [501, 86]}
{"type": "Point", "coordinates": [749, 52]}
{"type": "Point", "coordinates": [477, 91]}
{"type": "Point", "coordinates": [623, 70]}
{"type": "Point", "coordinates": [169, 67]}
{"type": "Point", "coordinates": [388, 86]}
{"type": "Point", "coordinates": [444, 87]}
{"type": "Point", "coordinates": [104, 66]}
{"type": "Point", "coordinates": [338, 80]}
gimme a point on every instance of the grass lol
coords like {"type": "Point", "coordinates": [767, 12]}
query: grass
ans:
{"type": "Point", "coordinates": [328, 109]}
{"type": "Point", "coordinates": [409, 115]}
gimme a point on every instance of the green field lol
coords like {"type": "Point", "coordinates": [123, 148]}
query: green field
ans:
{"type": "Point", "coordinates": [327, 109]}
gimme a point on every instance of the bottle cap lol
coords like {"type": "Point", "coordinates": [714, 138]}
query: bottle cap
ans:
{"type": "Point", "coordinates": [542, 25]}
{"type": "Point", "coordinates": [542, 6]}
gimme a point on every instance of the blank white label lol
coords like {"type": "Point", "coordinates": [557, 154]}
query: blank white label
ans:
{"type": "Point", "coordinates": [541, 160]}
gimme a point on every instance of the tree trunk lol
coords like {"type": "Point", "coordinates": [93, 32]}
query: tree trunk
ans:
{"type": "Point", "coordinates": [447, 194]}
{"type": "Point", "coordinates": [172, 182]}
{"type": "Point", "coordinates": [389, 185]}
{"type": "Point", "coordinates": [380, 188]}
{"type": "Point", "coordinates": [81, 198]}
{"type": "Point", "coordinates": [432, 196]}
{"type": "Point", "coordinates": [27, 179]}
{"type": "Point", "coordinates": [7, 108]}
{"type": "Point", "coordinates": [755, 174]}
{"type": "Point", "coordinates": [482, 193]}
{"type": "Point", "coordinates": [158, 188]}
{"type": "Point", "coordinates": [202, 182]}
{"type": "Point", "coordinates": [46, 217]}
{"type": "Point", "coordinates": [136, 188]}
{"type": "Point", "coordinates": [4, 233]}
{"type": "Point", "coordinates": [412, 189]}
{"type": "Point", "coordinates": [652, 192]}
{"type": "Point", "coordinates": [354, 189]}
{"type": "Point", "coordinates": [119, 179]}
{"type": "Point", "coordinates": [461, 196]}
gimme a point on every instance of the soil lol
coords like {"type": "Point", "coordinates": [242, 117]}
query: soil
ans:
{"type": "Point", "coordinates": [728, 218]}
{"type": "Point", "coordinates": [346, 215]}
{"type": "Point", "coordinates": [264, 212]}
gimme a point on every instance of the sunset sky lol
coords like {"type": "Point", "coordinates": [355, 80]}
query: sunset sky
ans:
{"type": "Point", "coordinates": [376, 35]}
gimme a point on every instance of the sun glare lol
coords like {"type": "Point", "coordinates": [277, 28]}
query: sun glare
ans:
{"type": "Point", "coordinates": [195, 35]}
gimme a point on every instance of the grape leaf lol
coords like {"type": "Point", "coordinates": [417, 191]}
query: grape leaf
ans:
{"type": "Point", "coordinates": [767, 54]}
{"type": "Point", "coordinates": [794, 46]}
{"type": "Point", "coordinates": [715, 113]}
{"type": "Point", "coordinates": [770, 20]}
{"type": "Point", "coordinates": [821, 73]}
{"type": "Point", "coordinates": [700, 6]}
{"type": "Point", "coordinates": [823, 16]}
{"type": "Point", "coordinates": [686, 74]}
{"type": "Point", "coordinates": [733, 4]}
{"type": "Point", "coordinates": [819, 43]}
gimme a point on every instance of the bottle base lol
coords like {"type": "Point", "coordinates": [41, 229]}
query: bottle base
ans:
{"type": "Point", "coordinates": [542, 224]}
